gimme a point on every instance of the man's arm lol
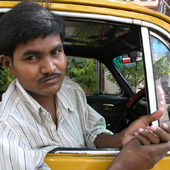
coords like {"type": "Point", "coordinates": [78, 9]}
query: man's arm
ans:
{"type": "Point", "coordinates": [109, 141]}
{"type": "Point", "coordinates": [122, 138]}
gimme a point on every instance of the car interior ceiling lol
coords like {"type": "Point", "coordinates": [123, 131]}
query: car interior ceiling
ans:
{"type": "Point", "coordinates": [98, 40]}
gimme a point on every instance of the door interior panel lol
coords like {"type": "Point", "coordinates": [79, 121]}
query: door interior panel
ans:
{"type": "Point", "coordinates": [111, 108]}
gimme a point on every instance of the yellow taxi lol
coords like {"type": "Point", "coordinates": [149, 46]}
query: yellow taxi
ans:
{"type": "Point", "coordinates": [125, 49]}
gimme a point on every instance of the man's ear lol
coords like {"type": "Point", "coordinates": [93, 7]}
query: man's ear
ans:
{"type": "Point", "coordinates": [7, 63]}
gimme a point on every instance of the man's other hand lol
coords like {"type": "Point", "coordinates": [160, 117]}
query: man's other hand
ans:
{"type": "Point", "coordinates": [143, 122]}
{"type": "Point", "coordinates": [134, 155]}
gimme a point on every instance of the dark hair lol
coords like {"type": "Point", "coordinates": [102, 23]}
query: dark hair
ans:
{"type": "Point", "coordinates": [27, 21]}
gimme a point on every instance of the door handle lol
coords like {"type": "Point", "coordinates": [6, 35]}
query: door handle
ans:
{"type": "Point", "coordinates": [107, 107]}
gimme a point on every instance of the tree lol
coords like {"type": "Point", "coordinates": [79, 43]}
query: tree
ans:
{"type": "Point", "coordinates": [83, 71]}
{"type": "Point", "coordinates": [5, 78]}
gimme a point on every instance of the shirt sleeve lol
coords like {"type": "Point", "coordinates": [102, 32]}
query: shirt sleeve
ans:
{"type": "Point", "coordinates": [92, 123]}
{"type": "Point", "coordinates": [15, 155]}
{"type": "Point", "coordinates": [95, 125]}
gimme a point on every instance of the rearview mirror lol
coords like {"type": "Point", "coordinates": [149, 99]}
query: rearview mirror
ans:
{"type": "Point", "coordinates": [134, 56]}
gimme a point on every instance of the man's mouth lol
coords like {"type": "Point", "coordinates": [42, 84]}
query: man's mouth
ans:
{"type": "Point", "coordinates": [49, 78]}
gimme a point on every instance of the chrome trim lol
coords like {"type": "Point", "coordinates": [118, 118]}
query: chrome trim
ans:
{"type": "Point", "coordinates": [106, 151]}
{"type": "Point", "coordinates": [86, 15]}
{"type": "Point", "coordinates": [4, 9]}
{"type": "Point", "coordinates": [155, 27]}
{"type": "Point", "coordinates": [94, 16]}
{"type": "Point", "coordinates": [149, 71]}
{"type": "Point", "coordinates": [167, 44]}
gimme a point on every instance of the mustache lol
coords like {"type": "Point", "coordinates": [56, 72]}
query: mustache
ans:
{"type": "Point", "coordinates": [48, 76]}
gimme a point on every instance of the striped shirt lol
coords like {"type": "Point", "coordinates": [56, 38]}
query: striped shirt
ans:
{"type": "Point", "coordinates": [27, 132]}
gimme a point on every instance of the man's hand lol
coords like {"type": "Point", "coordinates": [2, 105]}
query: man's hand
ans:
{"type": "Point", "coordinates": [142, 123]}
{"type": "Point", "coordinates": [134, 155]}
{"type": "Point", "coordinates": [122, 138]}
{"type": "Point", "coordinates": [162, 134]}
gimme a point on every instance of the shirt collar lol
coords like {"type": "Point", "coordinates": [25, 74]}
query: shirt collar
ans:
{"type": "Point", "coordinates": [67, 104]}
{"type": "Point", "coordinates": [36, 108]}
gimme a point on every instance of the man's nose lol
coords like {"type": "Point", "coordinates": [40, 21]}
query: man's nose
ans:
{"type": "Point", "coordinates": [48, 65]}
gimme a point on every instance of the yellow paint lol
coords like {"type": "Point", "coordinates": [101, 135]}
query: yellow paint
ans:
{"type": "Point", "coordinates": [90, 162]}
{"type": "Point", "coordinates": [78, 161]}
{"type": "Point", "coordinates": [163, 164]}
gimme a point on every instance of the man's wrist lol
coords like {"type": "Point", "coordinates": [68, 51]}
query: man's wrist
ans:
{"type": "Point", "coordinates": [122, 137]}
{"type": "Point", "coordinates": [115, 166]}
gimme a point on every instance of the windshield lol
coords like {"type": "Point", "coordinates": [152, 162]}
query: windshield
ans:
{"type": "Point", "coordinates": [161, 62]}
{"type": "Point", "coordinates": [131, 70]}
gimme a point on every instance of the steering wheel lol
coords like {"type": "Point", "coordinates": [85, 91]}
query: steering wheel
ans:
{"type": "Point", "coordinates": [126, 117]}
{"type": "Point", "coordinates": [133, 101]}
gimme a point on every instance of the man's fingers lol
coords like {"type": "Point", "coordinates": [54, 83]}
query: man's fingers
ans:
{"type": "Point", "coordinates": [143, 140]}
{"type": "Point", "coordinates": [163, 135]}
{"type": "Point", "coordinates": [147, 137]}
{"type": "Point", "coordinates": [165, 127]}
{"type": "Point", "coordinates": [134, 142]}
{"type": "Point", "coordinates": [161, 148]}
{"type": "Point", "coordinates": [152, 117]}
{"type": "Point", "coordinates": [157, 151]}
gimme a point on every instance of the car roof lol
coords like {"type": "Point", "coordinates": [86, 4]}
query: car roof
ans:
{"type": "Point", "coordinates": [117, 8]}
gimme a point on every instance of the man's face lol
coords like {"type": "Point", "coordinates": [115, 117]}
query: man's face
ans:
{"type": "Point", "coordinates": [40, 65]}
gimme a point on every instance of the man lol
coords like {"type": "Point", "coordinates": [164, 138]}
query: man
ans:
{"type": "Point", "coordinates": [42, 109]}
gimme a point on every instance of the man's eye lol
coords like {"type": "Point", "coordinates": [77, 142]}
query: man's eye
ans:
{"type": "Point", "coordinates": [31, 58]}
{"type": "Point", "coordinates": [56, 51]}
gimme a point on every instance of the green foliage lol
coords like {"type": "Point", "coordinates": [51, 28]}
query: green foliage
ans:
{"type": "Point", "coordinates": [168, 109]}
{"type": "Point", "coordinates": [83, 71]}
{"type": "Point", "coordinates": [5, 78]}
{"type": "Point", "coordinates": [132, 72]}
{"type": "Point", "coordinates": [162, 67]}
